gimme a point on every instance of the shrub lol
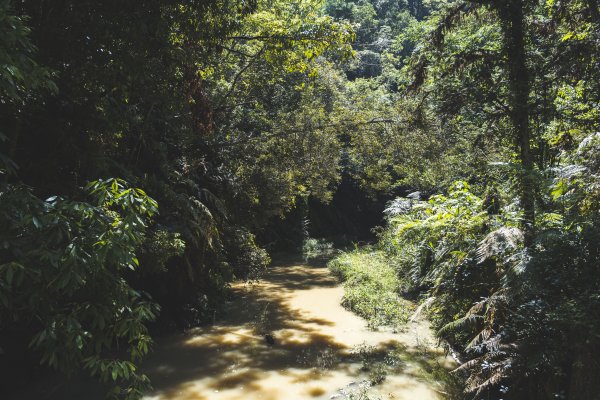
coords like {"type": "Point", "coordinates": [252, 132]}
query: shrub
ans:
{"type": "Point", "coordinates": [62, 267]}
{"type": "Point", "coordinates": [523, 319]}
{"type": "Point", "coordinates": [313, 248]}
{"type": "Point", "coordinates": [371, 287]}
{"type": "Point", "coordinates": [247, 259]}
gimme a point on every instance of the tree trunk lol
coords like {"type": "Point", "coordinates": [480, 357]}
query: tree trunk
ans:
{"type": "Point", "coordinates": [594, 12]}
{"type": "Point", "coordinates": [513, 27]}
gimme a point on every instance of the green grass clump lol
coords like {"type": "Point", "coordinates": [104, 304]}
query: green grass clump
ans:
{"type": "Point", "coordinates": [371, 288]}
{"type": "Point", "coordinates": [313, 249]}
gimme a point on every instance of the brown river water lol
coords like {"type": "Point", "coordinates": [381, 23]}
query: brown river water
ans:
{"type": "Point", "coordinates": [321, 350]}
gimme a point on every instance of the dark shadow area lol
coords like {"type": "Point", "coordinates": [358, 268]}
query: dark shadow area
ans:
{"type": "Point", "coordinates": [348, 218]}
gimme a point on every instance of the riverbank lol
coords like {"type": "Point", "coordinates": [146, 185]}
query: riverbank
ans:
{"type": "Point", "coordinates": [321, 350]}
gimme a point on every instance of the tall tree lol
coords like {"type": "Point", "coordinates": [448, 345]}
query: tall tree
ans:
{"type": "Point", "coordinates": [512, 20]}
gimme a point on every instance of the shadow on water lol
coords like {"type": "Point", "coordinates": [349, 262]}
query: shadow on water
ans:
{"type": "Point", "coordinates": [233, 354]}
{"type": "Point", "coordinates": [313, 355]}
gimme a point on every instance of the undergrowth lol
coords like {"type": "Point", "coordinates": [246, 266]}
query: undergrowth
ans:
{"type": "Point", "coordinates": [371, 288]}
{"type": "Point", "coordinates": [314, 249]}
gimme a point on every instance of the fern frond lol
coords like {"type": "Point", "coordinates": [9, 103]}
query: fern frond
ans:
{"type": "Point", "coordinates": [217, 204]}
{"type": "Point", "coordinates": [459, 323]}
{"type": "Point", "coordinates": [398, 206]}
{"type": "Point", "coordinates": [492, 381]}
{"type": "Point", "coordinates": [467, 365]}
{"type": "Point", "coordinates": [499, 243]}
{"type": "Point", "coordinates": [423, 306]}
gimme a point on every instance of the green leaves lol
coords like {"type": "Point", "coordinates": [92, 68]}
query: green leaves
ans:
{"type": "Point", "coordinates": [294, 34]}
{"type": "Point", "coordinates": [20, 75]}
{"type": "Point", "coordinates": [72, 257]}
{"type": "Point", "coordinates": [115, 193]}
{"type": "Point", "coordinates": [14, 273]}
{"type": "Point", "coordinates": [371, 287]}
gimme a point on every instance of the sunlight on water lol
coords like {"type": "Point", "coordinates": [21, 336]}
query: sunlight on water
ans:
{"type": "Point", "coordinates": [313, 356]}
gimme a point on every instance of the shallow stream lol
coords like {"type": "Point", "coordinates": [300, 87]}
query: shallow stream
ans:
{"type": "Point", "coordinates": [321, 351]}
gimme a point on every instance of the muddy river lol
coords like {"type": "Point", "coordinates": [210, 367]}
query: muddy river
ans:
{"type": "Point", "coordinates": [320, 350]}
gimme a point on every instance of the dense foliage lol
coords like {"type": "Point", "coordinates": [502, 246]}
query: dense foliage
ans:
{"type": "Point", "coordinates": [503, 96]}
{"type": "Point", "coordinates": [148, 149]}
{"type": "Point", "coordinates": [63, 277]}
{"type": "Point", "coordinates": [219, 110]}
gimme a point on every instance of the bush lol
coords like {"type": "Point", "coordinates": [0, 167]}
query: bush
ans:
{"type": "Point", "coordinates": [246, 258]}
{"type": "Point", "coordinates": [318, 248]}
{"type": "Point", "coordinates": [523, 319]}
{"type": "Point", "coordinates": [371, 287]}
{"type": "Point", "coordinates": [62, 268]}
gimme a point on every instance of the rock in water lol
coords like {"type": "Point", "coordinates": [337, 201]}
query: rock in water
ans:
{"type": "Point", "coordinates": [269, 339]}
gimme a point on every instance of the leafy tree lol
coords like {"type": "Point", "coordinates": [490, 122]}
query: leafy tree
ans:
{"type": "Point", "coordinates": [62, 276]}
{"type": "Point", "coordinates": [171, 96]}
{"type": "Point", "coordinates": [490, 81]}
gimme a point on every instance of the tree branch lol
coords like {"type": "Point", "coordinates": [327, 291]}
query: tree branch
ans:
{"type": "Point", "coordinates": [299, 130]}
